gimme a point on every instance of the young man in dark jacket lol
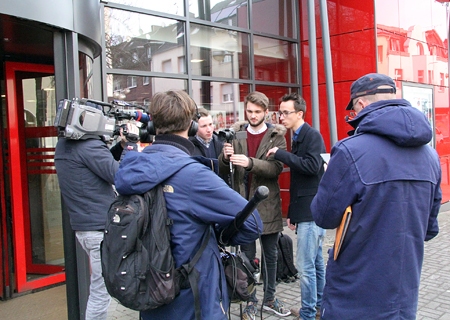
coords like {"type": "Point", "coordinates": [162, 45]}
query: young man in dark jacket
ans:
{"type": "Point", "coordinates": [252, 168]}
{"type": "Point", "coordinates": [390, 176]}
{"type": "Point", "coordinates": [206, 142]}
{"type": "Point", "coordinates": [196, 199]}
{"type": "Point", "coordinates": [306, 165]}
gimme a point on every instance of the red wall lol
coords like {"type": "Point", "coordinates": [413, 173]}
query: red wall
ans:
{"type": "Point", "coordinates": [362, 35]}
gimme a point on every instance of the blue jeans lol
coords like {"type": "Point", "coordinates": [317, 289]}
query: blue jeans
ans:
{"type": "Point", "coordinates": [268, 264]}
{"type": "Point", "coordinates": [99, 299]}
{"type": "Point", "coordinates": [311, 267]}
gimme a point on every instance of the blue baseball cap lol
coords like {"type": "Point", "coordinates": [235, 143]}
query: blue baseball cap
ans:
{"type": "Point", "coordinates": [368, 85]}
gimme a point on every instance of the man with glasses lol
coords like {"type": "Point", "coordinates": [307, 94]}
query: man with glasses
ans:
{"type": "Point", "coordinates": [390, 176]}
{"type": "Point", "coordinates": [252, 168]}
{"type": "Point", "coordinates": [307, 167]}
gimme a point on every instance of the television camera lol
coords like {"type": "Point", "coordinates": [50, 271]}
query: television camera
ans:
{"type": "Point", "coordinates": [83, 118]}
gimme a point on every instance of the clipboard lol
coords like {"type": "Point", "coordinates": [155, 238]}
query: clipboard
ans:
{"type": "Point", "coordinates": [341, 231]}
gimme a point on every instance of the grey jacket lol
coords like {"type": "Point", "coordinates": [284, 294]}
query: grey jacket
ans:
{"type": "Point", "coordinates": [265, 172]}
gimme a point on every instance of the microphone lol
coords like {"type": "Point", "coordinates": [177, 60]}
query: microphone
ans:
{"type": "Point", "coordinates": [261, 193]}
{"type": "Point", "coordinates": [136, 115]}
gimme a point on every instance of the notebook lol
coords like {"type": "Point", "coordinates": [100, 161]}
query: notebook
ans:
{"type": "Point", "coordinates": [341, 231]}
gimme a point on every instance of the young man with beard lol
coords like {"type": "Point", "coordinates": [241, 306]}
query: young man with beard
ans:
{"type": "Point", "coordinates": [252, 168]}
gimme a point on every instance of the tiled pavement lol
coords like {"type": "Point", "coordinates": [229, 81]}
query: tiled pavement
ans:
{"type": "Point", "coordinates": [434, 294]}
{"type": "Point", "coordinates": [434, 299]}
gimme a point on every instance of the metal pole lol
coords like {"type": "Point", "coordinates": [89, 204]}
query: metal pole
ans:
{"type": "Point", "coordinates": [328, 71]}
{"type": "Point", "coordinates": [313, 65]}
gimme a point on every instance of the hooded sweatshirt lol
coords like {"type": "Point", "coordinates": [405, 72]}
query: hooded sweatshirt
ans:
{"type": "Point", "coordinates": [391, 177]}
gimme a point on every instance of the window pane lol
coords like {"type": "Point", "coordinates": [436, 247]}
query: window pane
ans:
{"type": "Point", "coordinates": [142, 91]}
{"type": "Point", "coordinates": [275, 60]}
{"type": "Point", "coordinates": [219, 52]}
{"type": "Point", "coordinates": [172, 6]}
{"type": "Point", "coordinates": [279, 21]}
{"type": "Point", "coordinates": [274, 94]}
{"type": "Point", "coordinates": [142, 42]}
{"type": "Point", "coordinates": [232, 13]}
{"type": "Point", "coordinates": [225, 100]}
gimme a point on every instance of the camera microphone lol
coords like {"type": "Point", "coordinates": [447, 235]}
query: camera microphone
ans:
{"type": "Point", "coordinates": [261, 193]}
{"type": "Point", "coordinates": [136, 115]}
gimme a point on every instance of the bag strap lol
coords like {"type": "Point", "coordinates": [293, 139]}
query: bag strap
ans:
{"type": "Point", "coordinates": [192, 273]}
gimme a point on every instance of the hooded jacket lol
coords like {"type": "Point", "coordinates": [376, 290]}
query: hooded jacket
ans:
{"type": "Point", "coordinates": [391, 177]}
{"type": "Point", "coordinates": [196, 198]}
{"type": "Point", "coordinates": [265, 172]}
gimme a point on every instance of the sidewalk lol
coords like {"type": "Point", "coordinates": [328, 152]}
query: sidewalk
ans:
{"type": "Point", "coordinates": [434, 294]}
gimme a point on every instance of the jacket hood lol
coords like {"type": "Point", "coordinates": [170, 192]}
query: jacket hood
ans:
{"type": "Point", "coordinates": [141, 171]}
{"type": "Point", "coordinates": [396, 120]}
{"type": "Point", "coordinates": [242, 125]}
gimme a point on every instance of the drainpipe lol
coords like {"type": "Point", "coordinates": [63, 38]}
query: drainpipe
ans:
{"type": "Point", "coordinates": [313, 65]}
{"type": "Point", "coordinates": [328, 71]}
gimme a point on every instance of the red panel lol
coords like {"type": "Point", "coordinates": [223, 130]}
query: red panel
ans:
{"type": "Point", "coordinates": [344, 16]}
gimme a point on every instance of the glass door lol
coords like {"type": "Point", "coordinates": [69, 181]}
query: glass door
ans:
{"type": "Point", "coordinates": [31, 176]}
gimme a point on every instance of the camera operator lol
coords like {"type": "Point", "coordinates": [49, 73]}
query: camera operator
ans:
{"type": "Point", "coordinates": [253, 169]}
{"type": "Point", "coordinates": [85, 170]}
{"type": "Point", "coordinates": [196, 199]}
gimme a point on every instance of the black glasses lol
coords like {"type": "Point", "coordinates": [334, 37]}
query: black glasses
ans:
{"type": "Point", "coordinates": [285, 113]}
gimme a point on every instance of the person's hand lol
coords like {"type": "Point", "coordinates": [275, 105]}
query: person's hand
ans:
{"type": "Point", "coordinates": [129, 134]}
{"type": "Point", "coordinates": [240, 160]}
{"type": "Point", "coordinates": [290, 226]}
{"type": "Point", "coordinates": [272, 151]}
{"type": "Point", "coordinates": [227, 150]}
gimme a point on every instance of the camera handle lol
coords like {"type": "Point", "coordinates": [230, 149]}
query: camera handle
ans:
{"type": "Point", "coordinates": [231, 175]}
{"type": "Point", "coordinates": [261, 193]}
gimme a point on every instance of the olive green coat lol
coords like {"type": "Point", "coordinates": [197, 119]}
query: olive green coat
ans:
{"type": "Point", "coordinates": [265, 172]}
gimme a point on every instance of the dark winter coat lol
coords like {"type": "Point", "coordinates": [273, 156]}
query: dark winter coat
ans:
{"type": "Point", "coordinates": [86, 170]}
{"type": "Point", "coordinates": [306, 166]}
{"type": "Point", "coordinates": [391, 177]}
{"type": "Point", "coordinates": [265, 172]}
{"type": "Point", "coordinates": [196, 198]}
{"type": "Point", "coordinates": [217, 144]}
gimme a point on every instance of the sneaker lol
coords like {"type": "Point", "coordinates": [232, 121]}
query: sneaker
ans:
{"type": "Point", "coordinates": [295, 312]}
{"type": "Point", "coordinates": [276, 307]}
{"type": "Point", "coordinates": [249, 312]}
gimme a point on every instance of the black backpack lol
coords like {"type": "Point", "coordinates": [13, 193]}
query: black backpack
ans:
{"type": "Point", "coordinates": [286, 270]}
{"type": "Point", "coordinates": [136, 256]}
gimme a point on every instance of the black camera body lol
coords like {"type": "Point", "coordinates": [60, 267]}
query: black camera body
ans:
{"type": "Point", "coordinates": [227, 135]}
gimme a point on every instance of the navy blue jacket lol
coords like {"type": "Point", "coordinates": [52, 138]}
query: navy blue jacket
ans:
{"type": "Point", "coordinates": [306, 167]}
{"type": "Point", "coordinates": [391, 177]}
{"type": "Point", "coordinates": [86, 170]}
{"type": "Point", "coordinates": [196, 198]}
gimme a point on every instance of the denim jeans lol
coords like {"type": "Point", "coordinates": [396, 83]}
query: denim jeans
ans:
{"type": "Point", "coordinates": [99, 299]}
{"type": "Point", "coordinates": [311, 267]}
{"type": "Point", "coordinates": [268, 264]}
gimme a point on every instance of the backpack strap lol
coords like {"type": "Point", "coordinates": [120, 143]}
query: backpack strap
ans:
{"type": "Point", "coordinates": [188, 270]}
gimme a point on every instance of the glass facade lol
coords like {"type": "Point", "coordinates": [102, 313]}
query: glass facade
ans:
{"type": "Point", "coordinates": [218, 51]}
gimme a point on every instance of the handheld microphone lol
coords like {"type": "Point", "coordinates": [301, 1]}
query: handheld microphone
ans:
{"type": "Point", "coordinates": [261, 193]}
